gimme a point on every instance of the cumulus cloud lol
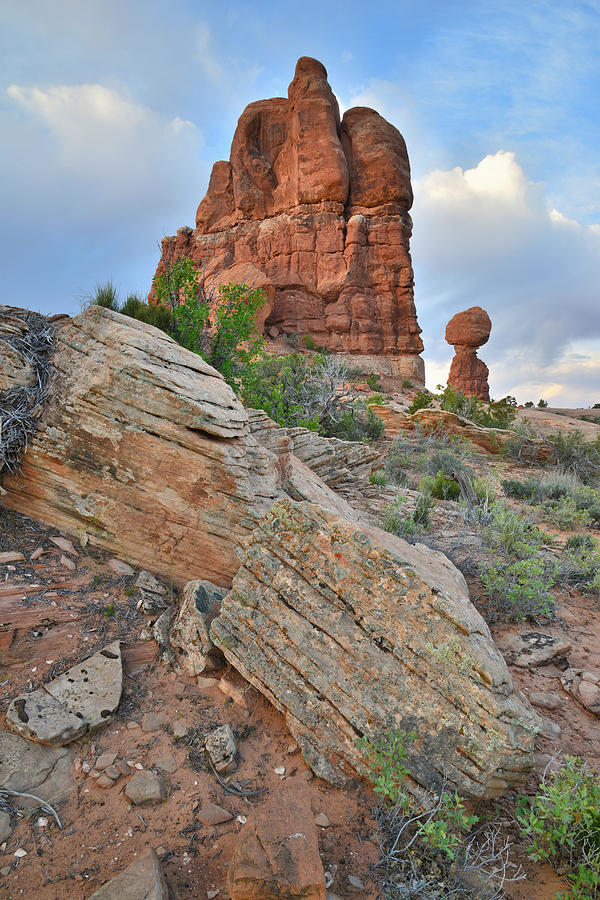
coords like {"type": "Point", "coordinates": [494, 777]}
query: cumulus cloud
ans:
{"type": "Point", "coordinates": [487, 236]}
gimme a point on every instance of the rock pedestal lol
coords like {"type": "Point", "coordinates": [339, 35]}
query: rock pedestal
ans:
{"type": "Point", "coordinates": [314, 211]}
{"type": "Point", "coordinates": [467, 331]}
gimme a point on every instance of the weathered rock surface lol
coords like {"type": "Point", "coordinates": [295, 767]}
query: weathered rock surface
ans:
{"type": "Point", "coordinates": [467, 331]}
{"type": "Point", "coordinates": [584, 687]}
{"type": "Point", "coordinates": [83, 699]}
{"type": "Point", "coordinates": [277, 854]}
{"type": "Point", "coordinates": [15, 369]}
{"type": "Point", "coordinates": [146, 451]}
{"type": "Point", "coordinates": [189, 633]}
{"type": "Point", "coordinates": [339, 464]}
{"type": "Point", "coordinates": [142, 880]}
{"type": "Point", "coordinates": [46, 772]}
{"type": "Point", "coordinates": [352, 631]}
{"type": "Point", "coordinates": [315, 212]}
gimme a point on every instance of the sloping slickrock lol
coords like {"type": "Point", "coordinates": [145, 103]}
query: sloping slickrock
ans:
{"type": "Point", "coordinates": [46, 772]}
{"type": "Point", "coordinates": [277, 853]}
{"type": "Point", "coordinates": [338, 463]}
{"type": "Point", "coordinates": [351, 631]}
{"type": "Point", "coordinates": [83, 699]}
{"type": "Point", "coordinates": [315, 211]}
{"type": "Point", "coordinates": [143, 880]}
{"type": "Point", "coordinates": [492, 440]}
{"type": "Point", "coordinates": [145, 449]}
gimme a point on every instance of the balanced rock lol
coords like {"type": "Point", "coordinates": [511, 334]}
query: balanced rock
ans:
{"type": "Point", "coordinates": [467, 331]}
{"type": "Point", "coordinates": [314, 211]}
{"type": "Point", "coordinates": [145, 450]}
{"type": "Point", "coordinates": [350, 631]}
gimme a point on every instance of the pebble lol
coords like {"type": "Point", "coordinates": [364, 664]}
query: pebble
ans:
{"type": "Point", "coordinates": [106, 760]}
{"type": "Point", "coordinates": [20, 853]}
{"type": "Point", "coordinates": [205, 683]}
{"type": "Point", "coordinates": [291, 748]}
{"type": "Point", "coordinates": [212, 894]}
{"type": "Point", "coordinates": [168, 764]}
{"type": "Point", "coordinates": [132, 725]}
{"type": "Point", "coordinates": [104, 781]}
{"type": "Point", "coordinates": [545, 699]}
{"type": "Point", "coordinates": [42, 822]}
{"type": "Point", "coordinates": [113, 772]}
{"type": "Point", "coordinates": [5, 870]}
{"type": "Point", "coordinates": [63, 544]}
{"type": "Point", "coordinates": [68, 563]}
{"type": "Point", "coordinates": [280, 770]}
{"type": "Point", "coordinates": [180, 729]}
{"type": "Point", "coordinates": [211, 814]}
{"type": "Point", "coordinates": [241, 819]}
{"type": "Point", "coordinates": [152, 722]}
{"type": "Point", "coordinates": [356, 883]}
{"type": "Point", "coordinates": [120, 567]}
{"type": "Point", "coordinates": [146, 788]}
{"type": "Point", "coordinates": [322, 820]}
{"type": "Point", "coordinates": [123, 767]}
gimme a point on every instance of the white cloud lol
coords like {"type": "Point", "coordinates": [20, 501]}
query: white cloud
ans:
{"type": "Point", "coordinates": [487, 236]}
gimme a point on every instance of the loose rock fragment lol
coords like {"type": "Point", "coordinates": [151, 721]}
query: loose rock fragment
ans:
{"type": "Point", "coordinates": [146, 788]}
{"type": "Point", "coordinates": [221, 747]}
{"type": "Point", "coordinates": [143, 880]}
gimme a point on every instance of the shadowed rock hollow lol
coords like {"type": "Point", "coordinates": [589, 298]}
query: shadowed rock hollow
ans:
{"type": "Point", "coordinates": [314, 210]}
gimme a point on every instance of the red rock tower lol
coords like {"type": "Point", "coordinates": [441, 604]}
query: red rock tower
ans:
{"type": "Point", "coordinates": [467, 331]}
{"type": "Point", "coordinates": [314, 210]}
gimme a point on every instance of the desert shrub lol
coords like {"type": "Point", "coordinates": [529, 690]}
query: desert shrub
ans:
{"type": "Point", "coordinates": [570, 452]}
{"type": "Point", "coordinates": [158, 315]}
{"type": "Point", "coordinates": [552, 486]}
{"type": "Point", "coordinates": [423, 400]}
{"type": "Point", "coordinates": [579, 564]}
{"type": "Point", "coordinates": [529, 405]}
{"type": "Point", "coordinates": [519, 589]}
{"type": "Point", "coordinates": [378, 477]}
{"type": "Point", "coordinates": [309, 342]}
{"type": "Point", "coordinates": [295, 390]}
{"type": "Point", "coordinates": [374, 382]}
{"type": "Point", "coordinates": [511, 534]}
{"type": "Point", "coordinates": [498, 414]}
{"type": "Point", "coordinates": [562, 823]}
{"type": "Point", "coordinates": [407, 385]}
{"type": "Point", "coordinates": [542, 404]}
{"type": "Point", "coordinates": [523, 445]}
{"type": "Point", "coordinates": [426, 451]}
{"type": "Point", "coordinates": [397, 520]}
{"type": "Point", "coordinates": [440, 486]}
{"type": "Point", "coordinates": [564, 514]}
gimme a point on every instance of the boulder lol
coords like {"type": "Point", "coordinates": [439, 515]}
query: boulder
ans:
{"type": "Point", "coordinates": [467, 331]}
{"type": "Point", "coordinates": [314, 211]}
{"type": "Point", "coordinates": [350, 631]}
{"type": "Point", "coordinates": [277, 852]}
{"type": "Point", "coordinates": [142, 880]}
{"type": "Point", "coordinates": [145, 451]}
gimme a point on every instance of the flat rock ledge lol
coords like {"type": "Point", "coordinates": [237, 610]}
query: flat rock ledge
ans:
{"type": "Point", "coordinates": [350, 631]}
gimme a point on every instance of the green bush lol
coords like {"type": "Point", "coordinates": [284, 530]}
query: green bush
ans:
{"type": "Point", "coordinates": [579, 564]}
{"type": "Point", "coordinates": [440, 486]}
{"type": "Point", "coordinates": [296, 390]}
{"type": "Point", "coordinates": [572, 453]}
{"type": "Point", "coordinates": [105, 295]}
{"type": "Point", "coordinates": [397, 521]}
{"type": "Point", "coordinates": [562, 823]}
{"type": "Point", "coordinates": [407, 385]}
{"type": "Point", "coordinates": [511, 534]}
{"type": "Point", "coordinates": [378, 477]}
{"type": "Point", "coordinates": [309, 342]}
{"type": "Point", "coordinates": [564, 514]}
{"type": "Point", "coordinates": [158, 315]}
{"type": "Point", "coordinates": [426, 451]}
{"type": "Point", "coordinates": [518, 590]}
{"type": "Point", "coordinates": [499, 414]}
{"type": "Point", "coordinates": [374, 382]}
{"type": "Point", "coordinates": [423, 400]}
{"type": "Point", "coordinates": [542, 404]}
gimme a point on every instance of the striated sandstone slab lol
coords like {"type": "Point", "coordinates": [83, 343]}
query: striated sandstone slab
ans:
{"type": "Point", "coordinates": [350, 631]}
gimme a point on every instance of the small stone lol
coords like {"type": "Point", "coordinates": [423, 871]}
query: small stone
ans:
{"type": "Point", "coordinates": [120, 567]}
{"type": "Point", "coordinates": [5, 870]}
{"type": "Point", "coordinates": [68, 563]}
{"type": "Point", "coordinates": [139, 767]}
{"type": "Point", "coordinates": [37, 553]}
{"type": "Point", "coordinates": [212, 894]}
{"type": "Point", "coordinates": [291, 748]}
{"type": "Point", "coordinates": [221, 747]}
{"type": "Point", "coordinates": [20, 853]}
{"type": "Point", "coordinates": [152, 722]}
{"type": "Point", "coordinates": [235, 689]}
{"type": "Point", "coordinates": [551, 730]}
{"type": "Point", "coordinates": [132, 725]}
{"type": "Point", "coordinates": [146, 788]}
{"type": "Point", "coordinates": [103, 781]}
{"type": "Point", "coordinates": [241, 819]}
{"type": "Point", "coordinates": [168, 764]}
{"type": "Point", "coordinates": [105, 760]}
{"type": "Point", "coordinates": [322, 820]}
{"type": "Point", "coordinates": [42, 822]}
{"type": "Point", "coordinates": [161, 852]}
{"type": "Point", "coordinates": [123, 767]}
{"type": "Point", "coordinates": [180, 729]}
{"type": "Point", "coordinates": [308, 775]}
{"type": "Point", "coordinates": [206, 683]}
{"type": "Point", "coordinates": [355, 883]}
{"type": "Point", "coordinates": [545, 699]}
{"type": "Point", "coordinates": [280, 770]}
{"type": "Point", "coordinates": [211, 814]}
{"type": "Point", "coordinates": [113, 772]}
{"type": "Point", "coordinates": [65, 545]}
{"type": "Point", "coordinates": [86, 767]}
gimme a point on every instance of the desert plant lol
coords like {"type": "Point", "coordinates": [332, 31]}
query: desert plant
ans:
{"type": "Point", "coordinates": [564, 514]}
{"type": "Point", "coordinates": [579, 564]}
{"type": "Point", "coordinates": [529, 405]}
{"type": "Point", "coordinates": [374, 382]}
{"type": "Point", "coordinates": [423, 400]}
{"type": "Point", "coordinates": [518, 590]}
{"type": "Point", "coordinates": [104, 295]}
{"type": "Point", "coordinates": [511, 534]}
{"type": "Point", "coordinates": [572, 453]}
{"type": "Point", "coordinates": [309, 342]}
{"type": "Point", "coordinates": [542, 404]}
{"type": "Point", "coordinates": [378, 477]}
{"type": "Point", "coordinates": [562, 823]}
{"type": "Point", "coordinates": [440, 486]}
{"type": "Point", "coordinates": [407, 384]}
{"type": "Point", "coordinates": [498, 414]}
{"type": "Point", "coordinates": [397, 521]}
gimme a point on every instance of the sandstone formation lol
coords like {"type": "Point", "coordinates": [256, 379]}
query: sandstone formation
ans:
{"type": "Point", "coordinates": [277, 854]}
{"type": "Point", "coordinates": [351, 631]}
{"type": "Point", "coordinates": [144, 450]}
{"type": "Point", "coordinates": [314, 210]}
{"type": "Point", "coordinates": [467, 331]}
{"type": "Point", "coordinates": [338, 463]}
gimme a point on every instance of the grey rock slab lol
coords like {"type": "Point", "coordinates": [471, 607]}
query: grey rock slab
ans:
{"type": "Point", "coordinates": [545, 699]}
{"type": "Point", "coordinates": [92, 688]}
{"type": "Point", "coordinates": [143, 880]}
{"type": "Point", "coordinates": [39, 717]}
{"type": "Point", "coordinates": [168, 764]}
{"type": "Point", "coordinates": [540, 649]}
{"type": "Point", "coordinates": [35, 769]}
{"type": "Point", "coordinates": [211, 814]}
{"type": "Point", "coordinates": [152, 722]}
{"type": "Point", "coordinates": [106, 759]}
{"type": "Point", "coordinates": [65, 545]}
{"type": "Point", "coordinates": [146, 788]}
{"type": "Point", "coordinates": [147, 582]}
{"type": "Point", "coordinates": [120, 567]}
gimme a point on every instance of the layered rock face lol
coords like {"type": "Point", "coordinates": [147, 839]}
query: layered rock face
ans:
{"type": "Point", "coordinates": [467, 331]}
{"type": "Point", "coordinates": [145, 450]}
{"type": "Point", "coordinates": [351, 631]}
{"type": "Point", "coordinates": [315, 212]}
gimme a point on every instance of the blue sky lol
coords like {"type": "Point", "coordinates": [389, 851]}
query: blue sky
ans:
{"type": "Point", "coordinates": [112, 113]}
